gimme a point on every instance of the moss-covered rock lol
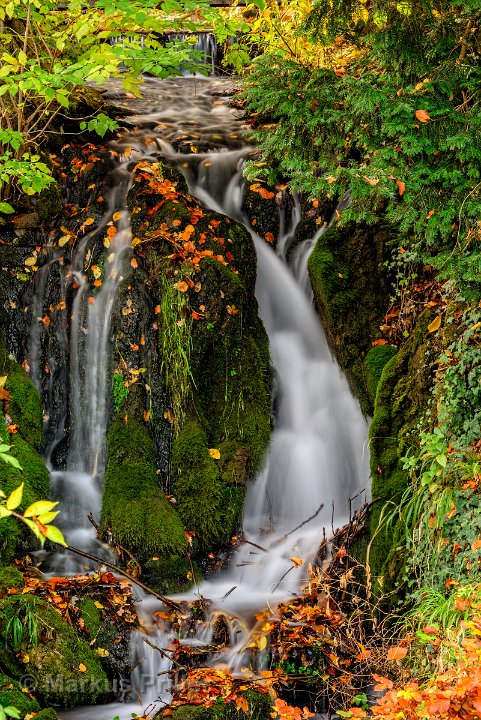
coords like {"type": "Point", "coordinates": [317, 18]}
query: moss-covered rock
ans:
{"type": "Point", "coordinates": [11, 694]}
{"type": "Point", "coordinates": [23, 406]}
{"type": "Point", "coordinates": [66, 669]}
{"type": "Point", "coordinates": [404, 396]}
{"type": "Point", "coordinates": [351, 292]}
{"type": "Point", "coordinates": [137, 511]}
{"type": "Point", "coordinates": [374, 362]}
{"type": "Point", "coordinates": [10, 577]}
{"type": "Point", "coordinates": [24, 409]}
{"type": "Point", "coordinates": [259, 708]}
{"type": "Point", "coordinates": [47, 714]}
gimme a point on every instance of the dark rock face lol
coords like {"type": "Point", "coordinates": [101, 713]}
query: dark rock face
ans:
{"type": "Point", "coordinates": [351, 292]}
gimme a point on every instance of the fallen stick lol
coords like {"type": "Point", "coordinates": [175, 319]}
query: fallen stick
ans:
{"type": "Point", "coordinates": [162, 598]}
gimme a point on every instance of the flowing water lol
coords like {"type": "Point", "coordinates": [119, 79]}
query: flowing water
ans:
{"type": "Point", "coordinates": [317, 456]}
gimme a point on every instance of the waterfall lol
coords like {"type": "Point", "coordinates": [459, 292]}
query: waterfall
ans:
{"type": "Point", "coordinates": [86, 368]}
{"type": "Point", "coordinates": [204, 49]}
{"type": "Point", "coordinates": [317, 459]}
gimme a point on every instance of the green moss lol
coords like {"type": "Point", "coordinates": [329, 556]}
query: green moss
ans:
{"type": "Point", "coordinates": [374, 363]}
{"type": "Point", "coordinates": [351, 293]}
{"type": "Point", "coordinates": [49, 203]}
{"type": "Point", "coordinates": [403, 396]}
{"type": "Point", "coordinates": [260, 708]}
{"type": "Point", "coordinates": [10, 577]}
{"type": "Point", "coordinates": [56, 661]}
{"type": "Point", "coordinates": [198, 484]}
{"type": "Point", "coordinates": [46, 714]}
{"type": "Point", "coordinates": [151, 527]}
{"type": "Point", "coordinates": [90, 614]}
{"type": "Point", "coordinates": [34, 474]}
{"type": "Point", "coordinates": [24, 405]}
{"type": "Point", "coordinates": [11, 694]}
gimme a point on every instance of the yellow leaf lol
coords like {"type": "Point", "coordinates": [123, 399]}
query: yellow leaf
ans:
{"type": "Point", "coordinates": [15, 498]}
{"type": "Point", "coordinates": [29, 262]}
{"type": "Point", "coordinates": [102, 652]}
{"type": "Point", "coordinates": [63, 240]}
{"type": "Point", "coordinates": [82, 668]}
{"type": "Point", "coordinates": [3, 380]}
{"type": "Point", "coordinates": [116, 216]}
{"type": "Point", "coordinates": [107, 242]}
{"type": "Point", "coordinates": [297, 561]}
{"type": "Point", "coordinates": [435, 325]}
{"type": "Point", "coordinates": [214, 453]}
{"type": "Point", "coordinates": [262, 643]}
{"type": "Point", "coordinates": [99, 605]}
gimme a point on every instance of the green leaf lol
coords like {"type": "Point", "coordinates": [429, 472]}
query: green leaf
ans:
{"type": "Point", "coordinates": [39, 507]}
{"type": "Point", "coordinates": [10, 459]}
{"type": "Point", "coordinates": [12, 712]}
{"type": "Point", "coordinates": [47, 518]}
{"type": "Point", "coordinates": [55, 535]}
{"type": "Point", "coordinates": [15, 498]}
{"type": "Point", "coordinates": [442, 460]}
{"type": "Point", "coordinates": [6, 208]}
{"type": "Point", "coordinates": [35, 529]}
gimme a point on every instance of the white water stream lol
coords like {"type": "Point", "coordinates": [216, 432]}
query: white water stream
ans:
{"type": "Point", "coordinates": [318, 450]}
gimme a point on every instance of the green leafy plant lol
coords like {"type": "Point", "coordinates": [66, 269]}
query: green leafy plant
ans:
{"type": "Point", "coordinates": [52, 49]}
{"type": "Point", "coordinates": [9, 712]}
{"type": "Point", "coordinates": [37, 517]}
{"type": "Point", "coordinates": [21, 625]}
{"type": "Point", "coordinates": [385, 108]}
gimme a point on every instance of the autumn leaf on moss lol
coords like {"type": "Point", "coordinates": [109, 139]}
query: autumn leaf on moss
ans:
{"type": "Point", "coordinates": [423, 116]}
{"type": "Point", "coordinates": [214, 453]}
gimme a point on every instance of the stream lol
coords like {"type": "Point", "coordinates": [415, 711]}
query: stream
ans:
{"type": "Point", "coordinates": [318, 455]}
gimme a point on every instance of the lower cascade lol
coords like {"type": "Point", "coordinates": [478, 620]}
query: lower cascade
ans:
{"type": "Point", "coordinates": [315, 473]}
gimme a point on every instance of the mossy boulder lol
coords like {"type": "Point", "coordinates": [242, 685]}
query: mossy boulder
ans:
{"type": "Point", "coordinates": [351, 292]}
{"type": "Point", "coordinates": [10, 577]}
{"type": "Point", "coordinates": [259, 708]}
{"type": "Point", "coordinates": [47, 714]}
{"type": "Point", "coordinates": [67, 671]}
{"type": "Point", "coordinates": [12, 694]}
{"type": "Point", "coordinates": [105, 633]}
{"type": "Point", "coordinates": [137, 511]}
{"type": "Point", "coordinates": [403, 400]}
{"type": "Point", "coordinates": [230, 410]}
{"type": "Point", "coordinates": [24, 410]}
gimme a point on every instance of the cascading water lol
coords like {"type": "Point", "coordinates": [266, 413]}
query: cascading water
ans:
{"type": "Point", "coordinates": [317, 457]}
{"type": "Point", "coordinates": [87, 355]}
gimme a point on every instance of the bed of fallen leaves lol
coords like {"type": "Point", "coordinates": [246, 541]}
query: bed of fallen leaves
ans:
{"type": "Point", "coordinates": [111, 596]}
{"type": "Point", "coordinates": [452, 694]}
{"type": "Point", "coordinates": [423, 292]}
